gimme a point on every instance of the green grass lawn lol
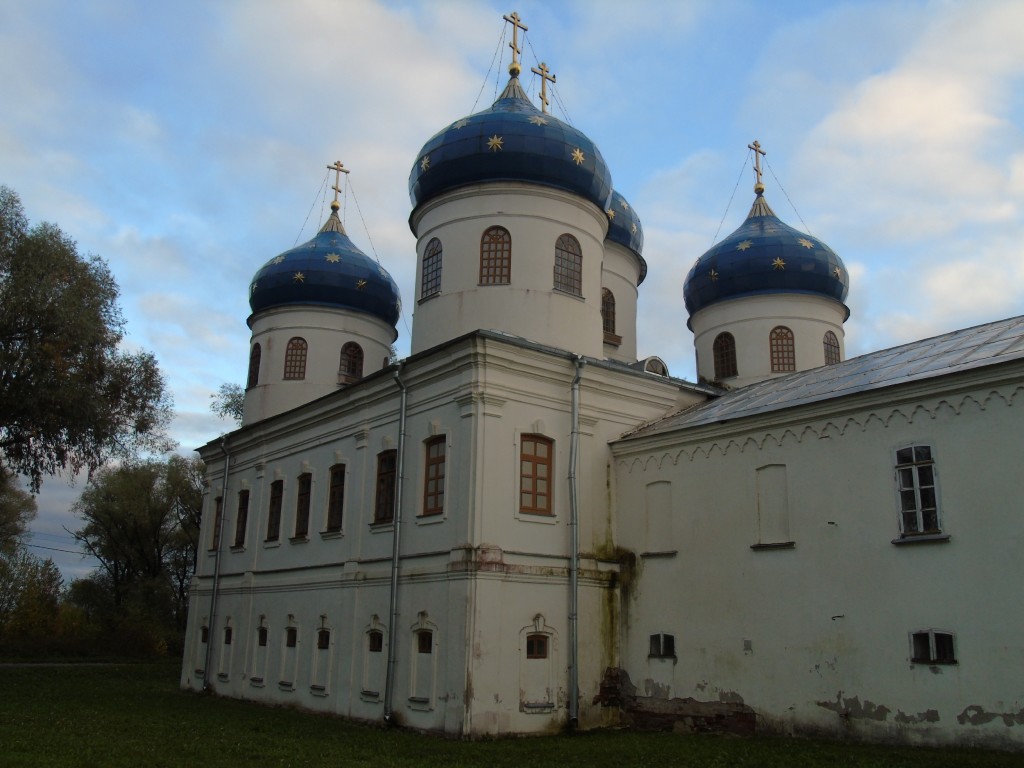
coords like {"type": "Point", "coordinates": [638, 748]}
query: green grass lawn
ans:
{"type": "Point", "coordinates": [134, 715]}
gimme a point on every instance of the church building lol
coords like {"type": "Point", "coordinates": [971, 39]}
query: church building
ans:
{"type": "Point", "coordinates": [522, 527]}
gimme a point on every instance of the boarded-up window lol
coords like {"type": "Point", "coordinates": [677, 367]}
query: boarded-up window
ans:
{"type": "Point", "coordinates": [772, 505]}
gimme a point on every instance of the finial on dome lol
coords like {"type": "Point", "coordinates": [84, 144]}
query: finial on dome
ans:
{"type": "Point", "coordinates": [333, 223]}
{"type": "Point", "coordinates": [514, 68]}
{"type": "Point", "coordinates": [545, 78]}
{"type": "Point", "coordinates": [338, 169]}
{"type": "Point", "coordinates": [759, 184]}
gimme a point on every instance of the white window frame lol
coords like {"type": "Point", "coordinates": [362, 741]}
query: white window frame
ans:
{"type": "Point", "coordinates": [916, 486]}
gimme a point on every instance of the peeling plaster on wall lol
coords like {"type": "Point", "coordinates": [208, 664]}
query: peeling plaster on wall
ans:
{"type": "Point", "coordinates": [655, 690]}
{"type": "Point", "coordinates": [928, 716]}
{"type": "Point", "coordinates": [854, 709]}
{"type": "Point", "coordinates": [822, 430]}
{"type": "Point", "coordinates": [976, 715]}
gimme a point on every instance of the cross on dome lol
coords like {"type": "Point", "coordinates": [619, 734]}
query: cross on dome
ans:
{"type": "Point", "coordinates": [338, 169]}
{"type": "Point", "coordinates": [545, 78]}
{"type": "Point", "coordinates": [517, 23]}
{"type": "Point", "coordinates": [756, 146]}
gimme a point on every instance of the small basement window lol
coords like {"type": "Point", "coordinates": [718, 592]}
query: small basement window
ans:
{"type": "Point", "coordinates": [663, 646]}
{"type": "Point", "coordinates": [931, 646]}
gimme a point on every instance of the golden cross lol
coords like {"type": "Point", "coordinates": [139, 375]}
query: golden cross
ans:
{"type": "Point", "coordinates": [338, 169]}
{"type": "Point", "coordinates": [545, 77]}
{"type": "Point", "coordinates": [514, 69]}
{"type": "Point", "coordinates": [756, 146]}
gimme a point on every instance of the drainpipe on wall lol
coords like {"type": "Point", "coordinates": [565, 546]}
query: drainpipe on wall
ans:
{"type": "Point", "coordinates": [211, 632]}
{"type": "Point", "coordinates": [574, 549]}
{"type": "Point", "coordinates": [389, 678]}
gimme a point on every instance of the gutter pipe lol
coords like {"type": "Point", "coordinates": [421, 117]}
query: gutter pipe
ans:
{"type": "Point", "coordinates": [216, 565]}
{"type": "Point", "coordinates": [389, 678]}
{"type": "Point", "coordinates": [574, 550]}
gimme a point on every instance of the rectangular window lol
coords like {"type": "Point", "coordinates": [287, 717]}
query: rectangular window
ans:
{"type": "Point", "coordinates": [291, 637]}
{"type": "Point", "coordinates": [425, 641]}
{"type": "Point", "coordinates": [242, 518]}
{"type": "Point", "coordinates": [323, 639]}
{"type": "Point", "coordinates": [433, 477]}
{"type": "Point", "coordinates": [336, 498]}
{"type": "Point", "coordinates": [916, 485]}
{"type": "Point", "coordinates": [535, 469]}
{"type": "Point", "coordinates": [218, 513]}
{"type": "Point", "coordinates": [227, 635]}
{"type": "Point", "coordinates": [261, 637]}
{"type": "Point", "coordinates": [302, 504]}
{"type": "Point", "coordinates": [663, 646]}
{"type": "Point", "coordinates": [204, 634]}
{"type": "Point", "coordinates": [387, 474]}
{"type": "Point", "coordinates": [274, 514]}
{"type": "Point", "coordinates": [932, 646]}
{"type": "Point", "coordinates": [376, 642]}
{"type": "Point", "coordinates": [536, 646]}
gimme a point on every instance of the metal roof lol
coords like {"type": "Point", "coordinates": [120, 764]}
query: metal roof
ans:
{"type": "Point", "coordinates": [962, 350]}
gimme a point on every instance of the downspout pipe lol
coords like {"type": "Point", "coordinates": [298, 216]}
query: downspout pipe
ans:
{"type": "Point", "coordinates": [210, 632]}
{"type": "Point", "coordinates": [574, 549]}
{"type": "Point", "coordinates": [389, 678]}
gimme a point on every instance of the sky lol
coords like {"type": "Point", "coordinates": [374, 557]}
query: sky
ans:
{"type": "Point", "coordinates": [186, 143]}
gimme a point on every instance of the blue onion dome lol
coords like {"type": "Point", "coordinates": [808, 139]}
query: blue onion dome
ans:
{"type": "Point", "coordinates": [329, 270]}
{"type": "Point", "coordinates": [624, 228]}
{"type": "Point", "coordinates": [511, 141]}
{"type": "Point", "coordinates": [765, 256]}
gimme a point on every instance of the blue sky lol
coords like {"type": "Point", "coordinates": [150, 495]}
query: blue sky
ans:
{"type": "Point", "coordinates": [186, 143]}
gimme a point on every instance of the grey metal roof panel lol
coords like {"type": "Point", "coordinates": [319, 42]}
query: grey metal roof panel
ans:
{"type": "Point", "coordinates": [954, 352]}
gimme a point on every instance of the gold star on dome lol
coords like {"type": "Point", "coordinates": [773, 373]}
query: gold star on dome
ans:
{"type": "Point", "coordinates": [611, 214]}
{"type": "Point", "coordinates": [298, 277]}
{"type": "Point", "coordinates": [278, 259]}
{"type": "Point", "coordinates": [360, 284]}
{"type": "Point", "coordinates": [634, 227]}
{"type": "Point", "coordinates": [425, 163]}
{"type": "Point", "coordinates": [805, 242]}
{"type": "Point", "coordinates": [494, 143]}
{"type": "Point", "coordinates": [460, 124]}
{"type": "Point", "coordinates": [779, 263]}
{"type": "Point", "coordinates": [744, 245]}
{"type": "Point", "coordinates": [577, 155]}
{"type": "Point", "coordinates": [713, 275]}
{"type": "Point", "coordinates": [838, 273]}
{"type": "Point", "coordinates": [538, 120]}
{"type": "Point", "coordinates": [625, 205]}
{"type": "Point", "coordinates": [334, 258]}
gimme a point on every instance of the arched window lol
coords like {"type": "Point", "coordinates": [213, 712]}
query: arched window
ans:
{"type": "Point", "coordinates": [831, 348]}
{"type": "Point", "coordinates": [724, 352]}
{"type": "Point", "coordinates": [254, 367]}
{"type": "Point", "coordinates": [295, 359]}
{"type": "Point", "coordinates": [568, 265]}
{"type": "Point", "coordinates": [783, 349]}
{"type": "Point", "coordinates": [351, 363]}
{"type": "Point", "coordinates": [496, 257]}
{"type": "Point", "coordinates": [608, 311]}
{"type": "Point", "coordinates": [431, 280]}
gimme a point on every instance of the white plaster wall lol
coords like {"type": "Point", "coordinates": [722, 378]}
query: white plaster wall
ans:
{"type": "Point", "coordinates": [477, 570]}
{"type": "Point", "coordinates": [528, 306]}
{"type": "Point", "coordinates": [326, 331]}
{"type": "Point", "coordinates": [816, 637]}
{"type": "Point", "coordinates": [750, 320]}
{"type": "Point", "coordinates": [620, 275]}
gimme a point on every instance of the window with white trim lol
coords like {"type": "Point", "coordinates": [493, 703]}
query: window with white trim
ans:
{"type": "Point", "coordinates": [932, 646]}
{"type": "Point", "coordinates": [917, 490]}
{"type": "Point", "coordinates": [663, 646]}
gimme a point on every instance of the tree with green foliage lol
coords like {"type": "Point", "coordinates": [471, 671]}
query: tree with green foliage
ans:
{"type": "Point", "coordinates": [70, 397]}
{"type": "Point", "coordinates": [17, 508]}
{"type": "Point", "coordinates": [141, 521]}
{"type": "Point", "coordinates": [228, 402]}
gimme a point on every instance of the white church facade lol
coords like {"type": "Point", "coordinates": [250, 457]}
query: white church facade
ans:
{"type": "Point", "coordinates": [522, 527]}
